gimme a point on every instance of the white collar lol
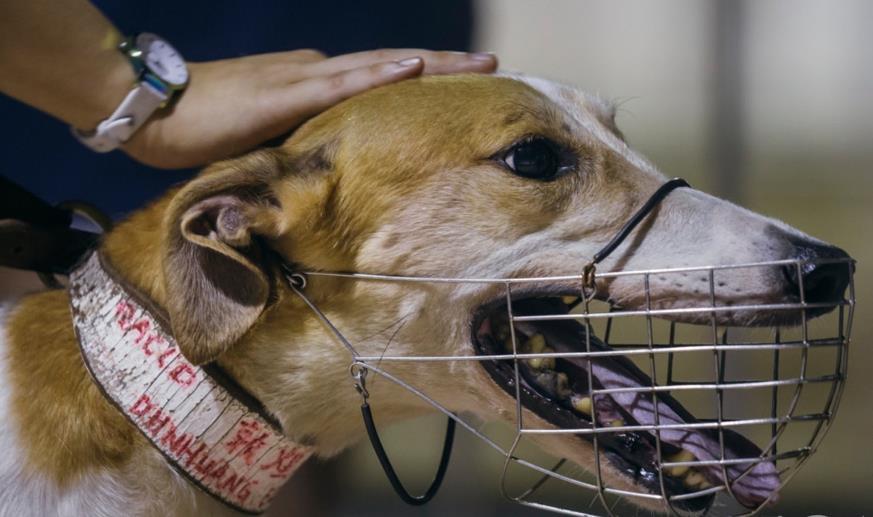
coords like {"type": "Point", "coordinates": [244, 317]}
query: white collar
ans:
{"type": "Point", "coordinates": [222, 442]}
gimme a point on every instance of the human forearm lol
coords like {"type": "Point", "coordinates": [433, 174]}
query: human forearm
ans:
{"type": "Point", "coordinates": [60, 57]}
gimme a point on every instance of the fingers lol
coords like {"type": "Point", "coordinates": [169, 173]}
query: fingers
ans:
{"type": "Point", "coordinates": [306, 55]}
{"type": "Point", "coordinates": [323, 83]}
{"type": "Point", "coordinates": [436, 62]}
{"type": "Point", "coordinates": [311, 96]}
{"type": "Point", "coordinates": [303, 56]}
{"type": "Point", "coordinates": [292, 60]}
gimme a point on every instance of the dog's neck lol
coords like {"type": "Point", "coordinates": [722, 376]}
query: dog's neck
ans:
{"type": "Point", "coordinates": [288, 362]}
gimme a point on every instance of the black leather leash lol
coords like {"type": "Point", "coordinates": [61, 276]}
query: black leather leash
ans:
{"type": "Point", "coordinates": [36, 236]}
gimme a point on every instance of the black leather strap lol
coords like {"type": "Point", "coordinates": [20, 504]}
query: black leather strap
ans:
{"type": "Point", "coordinates": [37, 236]}
{"type": "Point", "coordinates": [401, 491]}
{"type": "Point", "coordinates": [18, 203]}
{"type": "Point", "coordinates": [42, 249]}
{"type": "Point", "coordinates": [653, 201]}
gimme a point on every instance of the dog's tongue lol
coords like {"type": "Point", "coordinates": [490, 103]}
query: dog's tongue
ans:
{"type": "Point", "coordinates": [619, 372]}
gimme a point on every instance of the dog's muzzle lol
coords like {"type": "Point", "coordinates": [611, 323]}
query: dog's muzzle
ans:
{"type": "Point", "coordinates": [679, 401]}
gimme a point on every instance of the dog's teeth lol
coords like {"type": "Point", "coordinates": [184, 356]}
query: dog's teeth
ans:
{"type": "Point", "coordinates": [616, 423]}
{"type": "Point", "coordinates": [581, 404]}
{"type": "Point", "coordinates": [562, 385]}
{"type": "Point", "coordinates": [543, 363]}
{"type": "Point", "coordinates": [570, 300]}
{"type": "Point", "coordinates": [548, 362]}
{"type": "Point", "coordinates": [679, 470]}
{"type": "Point", "coordinates": [694, 479]}
{"type": "Point", "coordinates": [536, 343]}
{"type": "Point", "coordinates": [546, 380]}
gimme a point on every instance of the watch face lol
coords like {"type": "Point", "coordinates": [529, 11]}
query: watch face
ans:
{"type": "Point", "coordinates": [162, 59]}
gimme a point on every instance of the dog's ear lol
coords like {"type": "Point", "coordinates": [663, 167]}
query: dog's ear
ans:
{"type": "Point", "coordinates": [217, 271]}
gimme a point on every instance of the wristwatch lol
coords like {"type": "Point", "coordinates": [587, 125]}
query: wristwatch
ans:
{"type": "Point", "coordinates": [161, 75]}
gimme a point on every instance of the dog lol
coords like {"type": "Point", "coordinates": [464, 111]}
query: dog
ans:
{"type": "Point", "coordinates": [451, 176]}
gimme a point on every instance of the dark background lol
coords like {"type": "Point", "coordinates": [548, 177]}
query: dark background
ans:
{"type": "Point", "coordinates": [41, 155]}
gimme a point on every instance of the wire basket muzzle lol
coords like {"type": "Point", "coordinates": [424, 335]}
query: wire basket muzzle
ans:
{"type": "Point", "coordinates": [677, 404]}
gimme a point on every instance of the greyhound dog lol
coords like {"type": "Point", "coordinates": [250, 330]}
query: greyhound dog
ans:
{"type": "Point", "coordinates": [461, 176]}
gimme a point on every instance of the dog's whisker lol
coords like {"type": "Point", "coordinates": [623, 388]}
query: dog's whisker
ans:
{"type": "Point", "coordinates": [400, 324]}
{"type": "Point", "coordinates": [595, 497]}
{"type": "Point", "coordinates": [391, 325]}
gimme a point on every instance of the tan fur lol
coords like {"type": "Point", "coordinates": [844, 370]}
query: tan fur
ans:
{"type": "Point", "coordinates": [67, 423]}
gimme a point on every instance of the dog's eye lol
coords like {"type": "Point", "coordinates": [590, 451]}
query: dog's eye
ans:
{"type": "Point", "coordinates": [534, 158]}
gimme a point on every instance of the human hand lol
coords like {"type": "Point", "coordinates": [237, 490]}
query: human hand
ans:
{"type": "Point", "coordinates": [233, 105]}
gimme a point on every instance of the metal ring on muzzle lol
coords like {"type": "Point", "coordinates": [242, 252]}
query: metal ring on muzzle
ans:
{"type": "Point", "coordinates": [759, 428]}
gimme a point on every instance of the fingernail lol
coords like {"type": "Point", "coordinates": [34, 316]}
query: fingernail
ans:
{"type": "Point", "coordinates": [410, 62]}
{"type": "Point", "coordinates": [482, 56]}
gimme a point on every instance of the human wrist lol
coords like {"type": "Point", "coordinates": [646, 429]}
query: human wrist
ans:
{"type": "Point", "coordinates": [161, 75]}
{"type": "Point", "coordinates": [111, 81]}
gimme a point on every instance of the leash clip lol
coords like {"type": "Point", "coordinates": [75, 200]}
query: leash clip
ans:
{"type": "Point", "coordinates": [589, 284]}
{"type": "Point", "coordinates": [295, 279]}
{"type": "Point", "coordinates": [359, 376]}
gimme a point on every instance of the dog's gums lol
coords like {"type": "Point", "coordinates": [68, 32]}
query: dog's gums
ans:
{"type": "Point", "coordinates": [559, 389]}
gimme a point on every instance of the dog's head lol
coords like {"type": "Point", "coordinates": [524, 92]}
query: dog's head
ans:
{"type": "Point", "coordinates": [464, 176]}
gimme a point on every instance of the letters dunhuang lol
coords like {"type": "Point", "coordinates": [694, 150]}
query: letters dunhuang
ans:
{"type": "Point", "coordinates": [229, 450]}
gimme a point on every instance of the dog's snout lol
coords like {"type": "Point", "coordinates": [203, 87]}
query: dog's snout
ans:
{"type": "Point", "coordinates": [821, 278]}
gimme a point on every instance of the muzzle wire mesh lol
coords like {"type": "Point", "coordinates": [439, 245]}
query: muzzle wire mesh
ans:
{"type": "Point", "coordinates": [786, 406]}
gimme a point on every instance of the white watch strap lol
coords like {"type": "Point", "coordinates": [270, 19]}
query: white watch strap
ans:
{"type": "Point", "coordinates": [132, 113]}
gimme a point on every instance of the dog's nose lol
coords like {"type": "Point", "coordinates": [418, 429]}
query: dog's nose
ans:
{"type": "Point", "coordinates": [823, 282]}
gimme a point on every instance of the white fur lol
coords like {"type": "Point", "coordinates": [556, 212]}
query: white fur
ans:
{"type": "Point", "coordinates": [146, 486]}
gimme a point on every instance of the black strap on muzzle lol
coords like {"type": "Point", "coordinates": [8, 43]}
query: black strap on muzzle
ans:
{"type": "Point", "coordinates": [654, 200]}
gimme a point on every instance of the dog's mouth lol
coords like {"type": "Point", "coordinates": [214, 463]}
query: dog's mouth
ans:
{"type": "Point", "coordinates": [559, 390]}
